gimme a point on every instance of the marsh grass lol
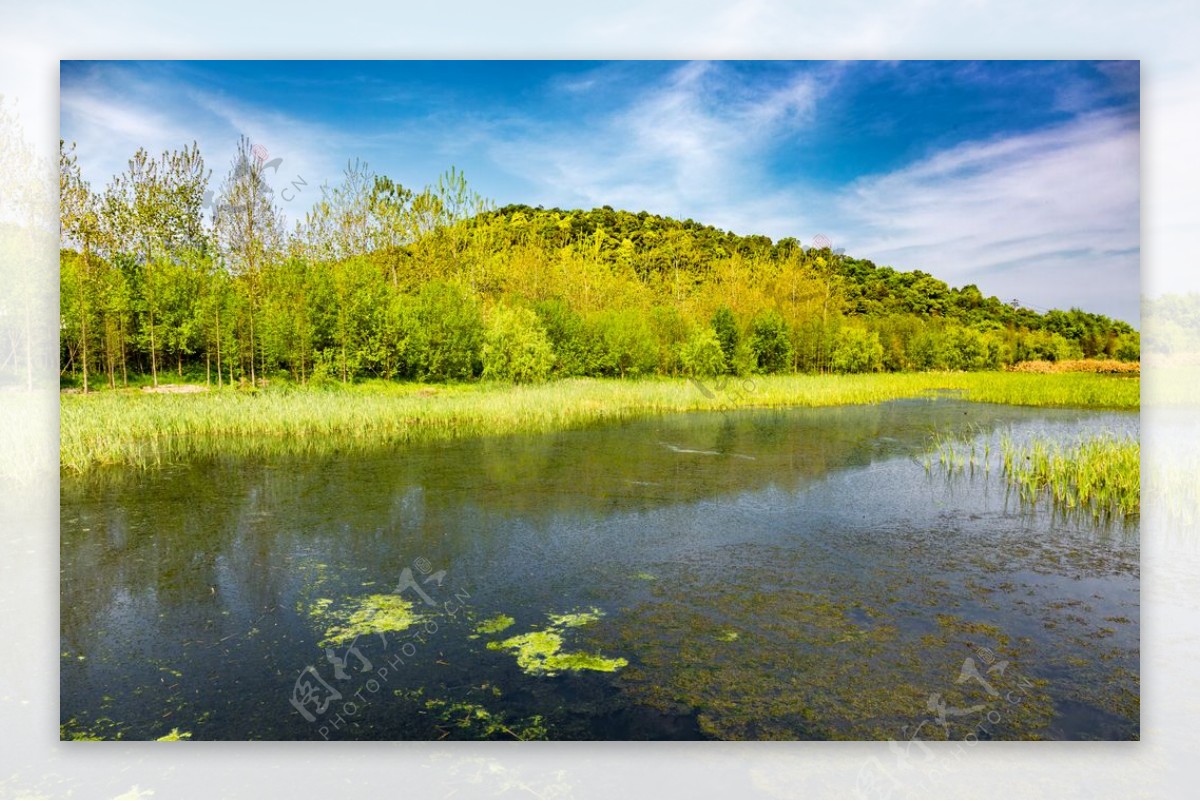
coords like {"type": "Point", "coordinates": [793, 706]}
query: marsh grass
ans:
{"type": "Point", "coordinates": [146, 430]}
{"type": "Point", "coordinates": [957, 453]}
{"type": "Point", "coordinates": [1100, 474]}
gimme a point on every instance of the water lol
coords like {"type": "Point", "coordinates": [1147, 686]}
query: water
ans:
{"type": "Point", "coordinates": [792, 574]}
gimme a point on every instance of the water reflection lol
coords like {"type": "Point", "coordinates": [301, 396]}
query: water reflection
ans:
{"type": "Point", "coordinates": [766, 574]}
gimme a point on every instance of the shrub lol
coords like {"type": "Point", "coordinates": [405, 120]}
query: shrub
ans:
{"type": "Point", "coordinates": [446, 342]}
{"type": "Point", "coordinates": [516, 347]}
{"type": "Point", "coordinates": [770, 343]}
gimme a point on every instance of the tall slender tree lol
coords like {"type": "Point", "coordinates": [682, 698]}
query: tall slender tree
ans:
{"type": "Point", "coordinates": [249, 229]}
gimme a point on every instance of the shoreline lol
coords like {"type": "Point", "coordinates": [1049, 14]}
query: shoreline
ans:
{"type": "Point", "coordinates": [132, 428]}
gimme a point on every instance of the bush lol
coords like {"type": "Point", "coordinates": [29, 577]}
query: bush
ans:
{"type": "Point", "coordinates": [570, 338]}
{"type": "Point", "coordinates": [627, 345]}
{"type": "Point", "coordinates": [516, 347]}
{"type": "Point", "coordinates": [1128, 347]}
{"type": "Point", "coordinates": [702, 355]}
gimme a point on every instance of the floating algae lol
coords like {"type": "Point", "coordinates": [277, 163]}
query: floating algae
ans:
{"type": "Point", "coordinates": [575, 619]}
{"type": "Point", "coordinates": [539, 653]}
{"type": "Point", "coordinates": [374, 614]}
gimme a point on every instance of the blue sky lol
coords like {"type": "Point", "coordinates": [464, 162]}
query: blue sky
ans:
{"type": "Point", "coordinates": [1020, 177]}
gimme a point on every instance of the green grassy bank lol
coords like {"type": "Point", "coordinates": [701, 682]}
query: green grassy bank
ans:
{"type": "Point", "coordinates": [146, 429]}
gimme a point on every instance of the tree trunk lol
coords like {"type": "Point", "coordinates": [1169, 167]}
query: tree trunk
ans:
{"type": "Point", "coordinates": [219, 348]}
{"type": "Point", "coordinates": [253, 379]}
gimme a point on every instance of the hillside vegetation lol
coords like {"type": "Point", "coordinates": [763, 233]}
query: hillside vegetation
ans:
{"type": "Point", "coordinates": [161, 274]}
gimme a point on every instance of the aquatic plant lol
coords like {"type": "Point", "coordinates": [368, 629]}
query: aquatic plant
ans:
{"type": "Point", "coordinates": [494, 625]}
{"type": "Point", "coordinates": [175, 735]}
{"type": "Point", "coordinates": [372, 614]}
{"type": "Point", "coordinates": [1101, 473]}
{"type": "Point", "coordinates": [539, 652]}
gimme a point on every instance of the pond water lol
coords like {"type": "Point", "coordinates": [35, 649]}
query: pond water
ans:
{"type": "Point", "coordinates": [754, 574]}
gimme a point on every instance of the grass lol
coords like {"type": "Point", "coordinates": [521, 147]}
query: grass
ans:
{"type": "Point", "coordinates": [1101, 474]}
{"type": "Point", "coordinates": [132, 428]}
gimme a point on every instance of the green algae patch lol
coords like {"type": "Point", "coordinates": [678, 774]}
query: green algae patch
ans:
{"type": "Point", "coordinates": [540, 653]}
{"type": "Point", "coordinates": [175, 735]}
{"type": "Point", "coordinates": [494, 625]}
{"type": "Point", "coordinates": [727, 636]}
{"type": "Point", "coordinates": [374, 614]}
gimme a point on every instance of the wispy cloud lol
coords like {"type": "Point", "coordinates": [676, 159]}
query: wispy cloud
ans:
{"type": "Point", "coordinates": [1051, 215]}
{"type": "Point", "coordinates": [692, 144]}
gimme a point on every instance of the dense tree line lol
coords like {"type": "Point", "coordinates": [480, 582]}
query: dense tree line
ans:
{"type": "Point", "coordinates": [382, 281]}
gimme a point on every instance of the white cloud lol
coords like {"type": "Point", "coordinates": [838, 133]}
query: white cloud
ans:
{"type": "Point", "coordinates": [693, 145]}
{"type": "Point", "coordinates": [1050, 217]}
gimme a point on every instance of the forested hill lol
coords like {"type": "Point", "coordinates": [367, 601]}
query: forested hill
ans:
{"type": "Point", "coordinates": [381, 281]}
{"type": "Point", "coordinates": [656, 244]}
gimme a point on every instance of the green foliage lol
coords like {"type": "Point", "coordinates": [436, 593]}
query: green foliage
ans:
{"type": "Point", "coordinates": [726, 329]}
{"type": "Point", "coordinates": [516, 347]}
{"type": "Point", "coordinates": [627, 345]}
{"type": "Point", "coordinates": [448, 335]}
{"type": "Point", "coordinates": [383, 281]}
{"type": "Point", "coordinates": [703, 356]}
{"type": "Point", "coordinates": [857, 351]}
{"type": "Point", "coordinates": [571, 342]}
{"type": "Point", "coordinates": [770, 344]}
{"type": "Point", "coordinates": [1128, 347]}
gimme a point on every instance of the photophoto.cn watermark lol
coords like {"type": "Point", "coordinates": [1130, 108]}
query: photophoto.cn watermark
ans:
{"type": "Point", "coordinates": [915, 766]}
{"type": "Point", "coordinates": [332, 696]}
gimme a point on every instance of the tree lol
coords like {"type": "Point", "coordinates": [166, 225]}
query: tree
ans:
{"type": "Point", "coordinates": [627, 346]}
{"type": "Point", "coordinates": [769, 342]}
{"type": "Point", "coordinates": [248, 228]}
{"type": "Point", "coordinates": [516, 347]}
{"type": "Point", "coordinates": [446, 344]}
{"type": "Point", "coordinates": [80, 227]}
{"type": "Point", "coordinates": [857, 350]}
{"type": "Point", "coordinates": [153, 212]}
{"type": "Point", "coordinates": [725, 329]}
{"type": "Point", "coordinates": [702, 355]}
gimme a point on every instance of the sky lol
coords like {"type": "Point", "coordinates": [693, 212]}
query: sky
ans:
{"type": "Point", "coordinates": [1019, 177]}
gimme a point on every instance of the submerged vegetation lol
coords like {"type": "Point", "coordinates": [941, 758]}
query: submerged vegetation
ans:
{"type": "Point", "coordinates": [145, 429]}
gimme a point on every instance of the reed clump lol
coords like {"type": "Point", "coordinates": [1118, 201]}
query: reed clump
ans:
{"type": "Point", "coordinates": [1101, 474]}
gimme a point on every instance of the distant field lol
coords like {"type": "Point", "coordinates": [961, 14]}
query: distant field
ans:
{"type": "Point", "coordinates": [141, 429]}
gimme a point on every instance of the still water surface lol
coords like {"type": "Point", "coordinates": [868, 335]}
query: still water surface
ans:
{"type": "Point", "coordinates": [796, 574]}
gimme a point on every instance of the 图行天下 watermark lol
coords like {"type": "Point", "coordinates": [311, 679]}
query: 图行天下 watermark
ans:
{"type": "Point", "coordinates": [916, 766]}
{"type": "Point", "coordinates": [260, 161]}
{"type": "Point", "coordinates": [332, 697]}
